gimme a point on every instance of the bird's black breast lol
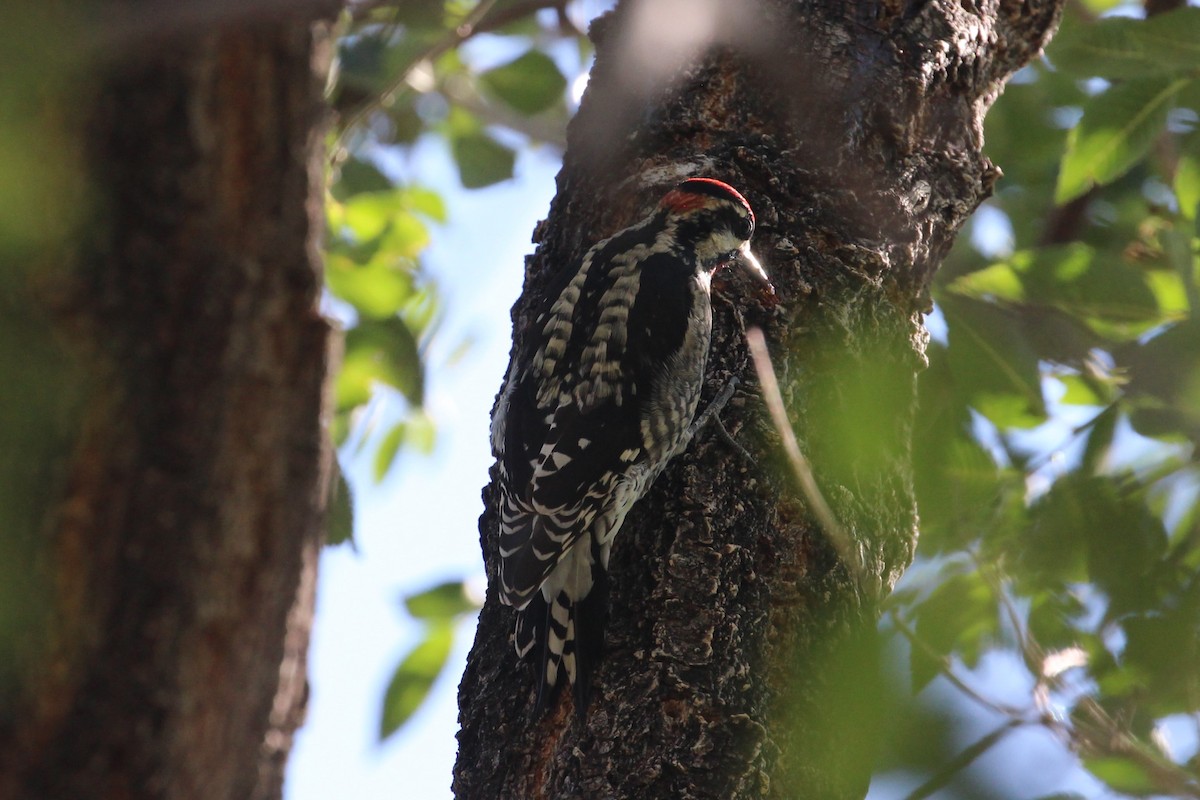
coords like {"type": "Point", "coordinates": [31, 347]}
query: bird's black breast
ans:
{"type": "Point", "coordinates": [658, 319]}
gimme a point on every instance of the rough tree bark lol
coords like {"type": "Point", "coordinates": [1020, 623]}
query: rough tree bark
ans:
{"type": "Point", "coordinates": [178, 563]}
{"type": "Point", "coordinates": [855, 130]}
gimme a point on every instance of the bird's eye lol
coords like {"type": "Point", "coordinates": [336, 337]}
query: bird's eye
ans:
{"type": "Point", "coordinates": [744, 229]}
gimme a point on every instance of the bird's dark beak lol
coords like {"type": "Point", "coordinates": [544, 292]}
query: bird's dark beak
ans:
{"type": "Point", "coordinates": [751, 263]}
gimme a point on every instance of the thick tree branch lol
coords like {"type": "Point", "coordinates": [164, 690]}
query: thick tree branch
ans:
{"type": "Point", "coordinates": [182, 556]}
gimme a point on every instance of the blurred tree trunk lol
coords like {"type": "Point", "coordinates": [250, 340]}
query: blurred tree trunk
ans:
{"type": "Point", "coordinates": [740, 652]}
{"type": "Point", "coordinates": [176, 525]}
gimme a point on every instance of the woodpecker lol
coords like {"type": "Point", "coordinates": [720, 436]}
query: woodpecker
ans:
{"type": "Point", "coordinates": [594, 406]}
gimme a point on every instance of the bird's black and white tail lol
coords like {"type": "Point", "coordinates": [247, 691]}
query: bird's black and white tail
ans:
{"type": "Point", "coordinates": [564, 636]}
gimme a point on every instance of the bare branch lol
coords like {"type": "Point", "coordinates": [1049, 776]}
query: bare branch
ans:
{"type": "Point", "coordinates": [1096, 732]}
{"type": "Point", "coordinates": [841, 540]}
{"type": "Point", "coordinates": [962, 761]}
{"type": "Point", "coordinates": [948, 672]}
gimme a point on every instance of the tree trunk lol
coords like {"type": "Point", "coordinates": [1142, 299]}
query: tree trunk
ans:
{"type": "Point", "coordinates": [176, 557]}
{"type": "Point", "coordinates": [739, 656]}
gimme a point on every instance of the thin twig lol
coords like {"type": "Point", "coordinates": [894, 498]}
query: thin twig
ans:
{"type": "Point", "coordinates": [841, 540]}
{"type": "Point", "coordinates": [540, 129]}
{"type": "Point", "coordinates": [1032, 653]}
{"type": "Point", "coordinates": [1091, 729]}
{"type": "Point", "coordinates": [1096, 732]}
{"type": "Point", "coordinates": [948, 673]}
{"type": "Point", "coordinates": [463, 31]}
{"type": "Point", "coordinates": [962, 760]}
{"type": "Point", "coordinates": [476, 22]}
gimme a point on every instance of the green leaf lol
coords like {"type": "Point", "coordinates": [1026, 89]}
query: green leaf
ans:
{"type": "Point", "coordinates": [958, 493]}
{"type": "Point", "coordinates": [1051, 549]}
{"type": "Point", "coordinates": [407, 124]}
{"type": "Point", "coordinates": [530, 83]}
{"type": "Point", "coordinates": [1164, 375]}
{"type": "Point", "coordinates": [481, 160]}
{"type": "Point", "coordinates": [1173, 37]}
{"type": "Point", "coordinates": [414, 678]}
{"type": "Point", "coordinates": [1164, 646]}
{"type": "Point", "coordinates": [370, 215]}
{"type": "Point", "coordinates": [1080, 391]}
{"type": "Point", "coordinates": [405, 52]}
{"type": "Point", "coordinates": [1122, 774]}
{"type": "Point", "coordinates": [1187, 176]}
{"type": "Point", "coordinates": [376, 238]}
{"type": "Point", "coordinates": [443, 602]}
{"type": "Point", "coordinates": [340, 527]}
{"type": "Point", "coordinates": [1119, 539]}
{"type": "Point", "coordinates": [361, 62]}
{"type": "Point", "coordinates": [1118, 682]}
{"type": "Point", "coordinates": [1170, 293]}
{"type": "Point", "coordinates": [1106, 47]}
{"type": "Point", "coordinates": [424, 201]}
{"type": "Point", "coordinates": [1117, 129]}
{"type": "Point", "coordinates": [377, 289]}
{"type": "Point", "coordinates": [992, 362]}
{"type": "Point", "coordinates": [420, 433]}
{"type": "Point", "coordinates": [419, 13]}
{"type": "Point", "coordinates": [389, 351]}
{"type": "Point", "coordinates": [999, 281]}
{"type": "Point", "coordinates": [357, 176]}
{"type": "Point", "coordinates": [354, 382]}
{"type": "Point", "coordinates": [1050, 619]}
{"type": "Point", "coordinates": [1124, 545]}
{"type": "Point", "coordinates": [1099, 444]}
{"type": "Point", "coordinates": [404, 237]}
{"type": "Point", "coordinates": [387, 451]}
{"type": "Point", "coordinates": [1123, 47]}
{"type": "Point", "coordinates": [958, 618]}
{"type": "Point", "coordinates": [1096, 287]}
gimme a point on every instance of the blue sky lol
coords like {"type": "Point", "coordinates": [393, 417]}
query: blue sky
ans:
{"type": "Point", "coordinates": [419, 526]}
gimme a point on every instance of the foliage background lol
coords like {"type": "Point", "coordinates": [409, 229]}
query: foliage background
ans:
{"type": "Point", "coordinates": [1047, 640]}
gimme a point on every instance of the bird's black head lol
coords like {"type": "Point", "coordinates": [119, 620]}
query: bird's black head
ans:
{"type": "Point", "coordinates": [715, 221]}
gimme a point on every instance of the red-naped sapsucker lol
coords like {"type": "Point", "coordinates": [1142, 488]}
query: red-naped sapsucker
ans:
{"type": "Point", "coordinates": [594, 406]}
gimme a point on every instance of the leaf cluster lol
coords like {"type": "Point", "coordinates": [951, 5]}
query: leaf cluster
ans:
{"type": "Point", "coordinates": [413, 69]}
{"type": "Point", "coordinates": [439, 609]}
{"type": "Point", "coordinates": [1057, 470]}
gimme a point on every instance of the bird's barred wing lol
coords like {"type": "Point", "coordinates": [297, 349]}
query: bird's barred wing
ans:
{"type": "Point", "coordinates": [569, 424]}
{"type": "Point", "coordinates": [583, 452]}
{"type": "Point", "coordinates": [568, 482]}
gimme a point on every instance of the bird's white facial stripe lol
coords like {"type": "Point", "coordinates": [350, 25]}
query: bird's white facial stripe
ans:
{"type": "Point", "coordinates": [713, 249]}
